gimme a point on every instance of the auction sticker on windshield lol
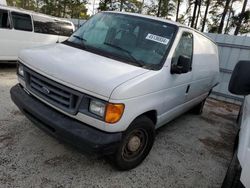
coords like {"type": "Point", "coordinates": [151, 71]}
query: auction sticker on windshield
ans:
{"type": "Point", "coordinates": [157, 38]}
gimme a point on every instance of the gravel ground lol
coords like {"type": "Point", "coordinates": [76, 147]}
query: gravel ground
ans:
{"type": "Point", "coordinates": [191, 151]}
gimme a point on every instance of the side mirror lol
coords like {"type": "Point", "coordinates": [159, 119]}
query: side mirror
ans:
{"type": "Point", "coordinates": [183, 65]}
{"type": "Point", "coordinates": [240, 80]}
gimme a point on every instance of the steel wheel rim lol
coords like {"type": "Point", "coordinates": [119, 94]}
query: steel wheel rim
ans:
{"type": "Point", "coordinates": [129, 155]}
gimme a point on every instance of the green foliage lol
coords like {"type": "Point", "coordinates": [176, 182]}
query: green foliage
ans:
{"type": "Point", "coordinates": [152, 8]}
{"type": "Point", "coordinates": [103, 5]}
{"type": "Point", "coordinates": [215, 14]}
{"type": "Point", "coordinates": [167, 8]}
{"type": "Point", "coordinates": [245, 25]}
{"type": "Point", "coordinates": [128, 5]}
{"type": "Point", "coordinates": [59, 8]}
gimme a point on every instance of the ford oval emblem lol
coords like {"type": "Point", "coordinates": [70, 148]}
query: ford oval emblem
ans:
{"type": "Point", "coordinates": [45, 90]}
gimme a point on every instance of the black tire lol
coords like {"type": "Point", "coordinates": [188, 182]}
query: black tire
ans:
{"type": "Point", "coordinates": [232, 178]}
{"type": "Point", "coordinates": [198, 109]}
{"type": "Point", "coordinates": [143, 129]}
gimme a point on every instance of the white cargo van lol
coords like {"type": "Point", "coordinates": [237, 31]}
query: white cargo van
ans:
{"type": "Point", "coordinates": [239, 169]}
{"type": "Point", "coordinates": [119, 77]}
{"type": "Point", "coordinates": [21, 29]}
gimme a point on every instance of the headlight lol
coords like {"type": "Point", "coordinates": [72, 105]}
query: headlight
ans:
{"type": "Point", "coordinates": [20, 70]}
{"type": "Point", "coordinates": [97, 107]}
{"type": "Point", "coordinates": [110, 112]}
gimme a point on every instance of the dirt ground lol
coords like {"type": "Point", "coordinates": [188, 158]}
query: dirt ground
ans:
{"type": "Point", "coordinates": [191, 151]}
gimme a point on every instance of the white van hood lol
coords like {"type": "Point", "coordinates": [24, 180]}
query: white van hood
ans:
{"type": "Point", "coordinates": [79, 69]}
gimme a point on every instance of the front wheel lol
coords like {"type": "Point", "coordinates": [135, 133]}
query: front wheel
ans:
{"type": "Point", "coordinates": [136, 144]}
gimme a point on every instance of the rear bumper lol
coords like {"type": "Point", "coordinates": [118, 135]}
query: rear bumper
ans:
{"type": "Point", "coordinates": [65, 128]}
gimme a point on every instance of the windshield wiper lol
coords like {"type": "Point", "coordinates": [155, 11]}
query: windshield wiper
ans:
{"type": "Point", "coordinates": [78, 37]}
{"type": "Point", "coordinates": [81, 39]}
{"type": "Point", "coordinates": [139, 63]}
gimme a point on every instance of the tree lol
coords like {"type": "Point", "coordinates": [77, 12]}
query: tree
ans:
{"type": "Point", "coordinates": [25, 4]}
{"type": "Point", "coordinates": [186, 17]}
{"type": "Point", "coordinates": [220, 29]}
{"type": "Point", "coordinates": [214, 15]}
{"type": "Point", "coordinates": [159, 8]}
{"type": "Point", "coordinates": [241, 17]}
{"type": "Point", "coordinates": [194, 12]}
{"type": "Point", "coordinates": [205, 15]}
{"type": "Point", "coordinates": [59, 8]}
{"type": "Point", "coordinates": [128, 6]}
{"type": "Point", "coordinates": [151, 8]}
{"type": "Point", "coordinates": [103, 5]}
{"type": "Point", "coordinates": [166, 8]}
{"type": "Point", "coordinates": [198, 14]}
{"type": "Point", "coordinates": [245, 24]}
{"type": "Point", "coordinates": [229, 17]}
{"type": "Point", "coordinates": [177, 10]}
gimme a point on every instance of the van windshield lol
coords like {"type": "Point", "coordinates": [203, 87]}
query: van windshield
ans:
{"type": "Point", "coordinates": [131, 39]}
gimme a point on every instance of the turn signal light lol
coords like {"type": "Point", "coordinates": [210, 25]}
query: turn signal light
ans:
{"type": "Point", "coordinates": [114, 112]}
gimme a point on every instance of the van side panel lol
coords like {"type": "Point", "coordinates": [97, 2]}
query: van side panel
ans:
{"type": "Point", "coordinates": [244, 143]}
{"type": "Point", "coordinates": [205, 66]}
{"type": "Point", "coordinates": [12, 41]}
{"type": "Point", "coordinates": [166, 92]}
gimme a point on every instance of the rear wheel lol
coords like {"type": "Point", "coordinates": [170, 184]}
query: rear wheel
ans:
{"type": "Point", "coordinates": [136, 144]}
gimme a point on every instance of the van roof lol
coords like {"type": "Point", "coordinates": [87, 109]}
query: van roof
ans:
{"type": "Point", "coordinates": [162, 20]}
{"type": "Point", "coordinates": [147, 16]}
{"type": "Point", "coordinates": [31, 12]}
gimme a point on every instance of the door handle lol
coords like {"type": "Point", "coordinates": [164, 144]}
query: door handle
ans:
{"type": "Point", "coordinates": [188, 87]}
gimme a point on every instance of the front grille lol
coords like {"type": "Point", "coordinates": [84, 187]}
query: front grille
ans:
{"type": "Point", "coordinates": [56, 94]}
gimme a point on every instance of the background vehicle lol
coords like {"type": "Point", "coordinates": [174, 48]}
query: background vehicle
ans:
{"type": "Point", "coordinates": [3, 2]}
{"type": "Point", "coordinates": [124, 75]}
{"type": "Point", "coordinates": [239, 169]}
{"type": "Point", "coordinates": [21, 29]}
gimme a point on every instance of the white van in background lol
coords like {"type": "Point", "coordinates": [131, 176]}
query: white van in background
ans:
{"type": "Point", "coordinates": [239, 169]}
{"type": "Point", "coordinates": [21, 29]}
{"type": "Point", "coordinates": [3, 2]}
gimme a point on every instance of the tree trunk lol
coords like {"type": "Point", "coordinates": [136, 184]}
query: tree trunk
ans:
{"type": "Point", "coordinates": [159, 9]}
{"type": "Point", "coordinates": [165, 4]}
{"type": "Point", "coordinates": [198, 14]}
{"type": "Point", "coordinates": [64, 8]}
{"type": "Point", "coordinates": [205, 16]}
{"type": "Point", "coordinates": [177, 10]}
{"type": "Point", "coordinates": [223, 16]}
{"type": "Point", "coordinates": [121, 5]}
{"type": "Point", "coordinates": [142, 4]}
{"type": "Point", "coordinates": [194, 13]}
{"type": "Point", "coordinates": [228, 18]}
{"type": "Point", "coordinates": [240, 18]}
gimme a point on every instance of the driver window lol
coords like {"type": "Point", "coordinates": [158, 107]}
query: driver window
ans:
{"type": "Point", "coordinates": [4, 19]}
{"type": "Point", "coordinates": [184, 47]}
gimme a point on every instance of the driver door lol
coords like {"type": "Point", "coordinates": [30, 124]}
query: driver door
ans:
{"type": "Point", "coordinates": [178, 83]}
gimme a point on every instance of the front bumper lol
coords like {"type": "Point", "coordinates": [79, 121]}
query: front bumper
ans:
{"type": "Point", "coordinates": [65, 128]}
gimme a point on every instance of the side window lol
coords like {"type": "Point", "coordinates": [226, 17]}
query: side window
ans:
{"type": "Point", "coordinates": [4, 19]}
{"type": "Point", "coordinates": [45, 25]}
{"type": "Point", "coordinates": [51, 26]}
{"type": "Point", "coordinates": [65, 28]}
{"type": "Point", "coordinates": [21, 21]}
{"type": "Point", "coordinates": [184, 47]}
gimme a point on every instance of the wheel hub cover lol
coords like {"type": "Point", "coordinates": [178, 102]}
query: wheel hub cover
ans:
{"type": "Point", "coordinates": [134, 143]}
